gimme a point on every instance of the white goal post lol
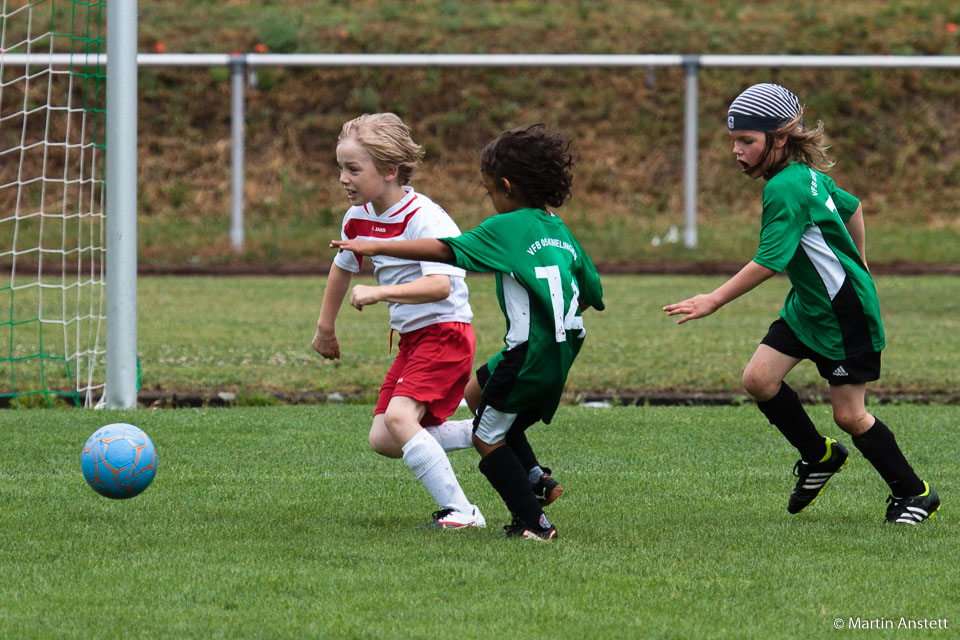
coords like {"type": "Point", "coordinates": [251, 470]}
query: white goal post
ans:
{"type": "Point", "coordinates": [121, 365]}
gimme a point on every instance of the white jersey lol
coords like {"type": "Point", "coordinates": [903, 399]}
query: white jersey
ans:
{"type": "Point", "coordinates": [415, 216]}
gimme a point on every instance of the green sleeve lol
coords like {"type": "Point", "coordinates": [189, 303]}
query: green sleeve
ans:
{"type": "Point", "coordinates": [485, 248]}
{"type": "Point", "coordinates": [846, 204]}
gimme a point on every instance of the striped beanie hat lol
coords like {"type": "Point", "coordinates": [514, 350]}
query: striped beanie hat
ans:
{"type": "Point", "coordinates": [763, 107]}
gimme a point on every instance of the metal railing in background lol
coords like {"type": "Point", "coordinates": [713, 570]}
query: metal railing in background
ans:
{"type": "Point", "coordinates": [241, 63]}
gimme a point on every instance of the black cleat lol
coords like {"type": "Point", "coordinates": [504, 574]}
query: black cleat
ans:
{"type": "Point", "coordinates": [813, 476]}
{"type": "Point", "coordinates": [518, 529]}
{"type": "Point", "coordinates": [913, 509]}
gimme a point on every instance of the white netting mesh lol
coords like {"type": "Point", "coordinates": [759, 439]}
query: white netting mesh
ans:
{"type": "Point", "coordinates": [52, 197]}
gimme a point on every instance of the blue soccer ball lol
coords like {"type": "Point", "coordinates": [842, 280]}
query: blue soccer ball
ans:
{"type": "Point", "coordinates": [119, 461]}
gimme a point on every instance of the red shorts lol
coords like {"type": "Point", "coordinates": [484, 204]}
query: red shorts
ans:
{"type": "Point", "coordinates": [432, 366]}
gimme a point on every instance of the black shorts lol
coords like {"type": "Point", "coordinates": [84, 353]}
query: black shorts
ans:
{"type": "Point", "coordinates": [524, 419]}
{"type": "Point", "coordinates": [855, 370]}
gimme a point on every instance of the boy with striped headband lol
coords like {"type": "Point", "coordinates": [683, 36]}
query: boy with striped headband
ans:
{"type": "Point", "coordinates": [814, 232]}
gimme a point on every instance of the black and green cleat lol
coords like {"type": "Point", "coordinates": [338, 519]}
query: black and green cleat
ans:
{"type": "Point", "coordinates": [813, 476]}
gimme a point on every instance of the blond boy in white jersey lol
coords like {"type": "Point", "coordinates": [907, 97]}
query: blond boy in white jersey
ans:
{"type": "Point", "coordinates": [428, 307]}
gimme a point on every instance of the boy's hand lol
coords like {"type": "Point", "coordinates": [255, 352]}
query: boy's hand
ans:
{"type": "Point", "coordinates": [362, 296]}
{"type": "Point", "coordinates": [692, 308]}
{"type": "Point", "coordinates": [359, 247]}
{"type": "Point", "coordinates": [326, 345]}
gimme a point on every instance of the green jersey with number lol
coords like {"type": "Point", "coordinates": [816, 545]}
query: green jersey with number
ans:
{"type": "Point", "coordinates": [543, 277]}
{"type": "Point", "coordinates": [832, 306]}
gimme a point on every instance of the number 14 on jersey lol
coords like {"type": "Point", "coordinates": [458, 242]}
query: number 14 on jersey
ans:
{"type": "Point", "coordinates": [568, 321]}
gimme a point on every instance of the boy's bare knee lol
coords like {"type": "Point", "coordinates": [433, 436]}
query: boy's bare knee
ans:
{"type": "Point", "coordinates": [852, 421]}
{"type": "Point", "coordinates": [393, 419]}
{"type": "Point", "coordinates": [759, 387]}
{"type": "Point", "coordinates": [843, 416]}
{"type": "Point", "coordinates": [401, 424]}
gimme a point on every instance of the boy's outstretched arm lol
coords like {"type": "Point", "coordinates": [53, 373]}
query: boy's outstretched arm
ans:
{"type": "Point", "coordinates": [706, 303]}
{"type": "Point", "coordinates": [425, 249]}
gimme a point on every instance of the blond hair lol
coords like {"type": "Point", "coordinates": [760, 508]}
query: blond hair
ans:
{"type": "Point", "coordinates": [803, 145]}
{"type": "Point", "coordinates": [388, 141]}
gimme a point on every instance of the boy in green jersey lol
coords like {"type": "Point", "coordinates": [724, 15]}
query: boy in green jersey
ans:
{"type": "Point", "coordinates": [544, 281]}
{"type": "Point", "coordinates": [814, 232]}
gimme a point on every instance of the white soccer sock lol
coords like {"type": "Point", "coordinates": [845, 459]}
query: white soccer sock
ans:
{"type": "Point", "coordinates": [426, 458]}
{"type": "Point", "coordinates": [453, 435]}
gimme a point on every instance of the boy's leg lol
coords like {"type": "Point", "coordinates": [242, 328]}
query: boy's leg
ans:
{"type": "Point", "coordinates": [763, 379]}
{"type": "Point", "coordinates": [874, 440]}
{"type": "Point", "coordinates": [506, 474]}
{"type": "Point", "coordinates": [453, 435]}
{"type": "Point", "coordinates": [516, 437]}
{"type": "Point", "coordinates": [380, 438]}
{"type": "Point", "coordinates": [820, 458]}
{"type": "Point", "coordinates": [440, 371]}
{"type": "Point", "coordinates": [545, 487]}
{"type": "Point", "coordinates": [473, 391]}
{"type": "Point", "coordinates": [426, 458]}
{"type": "Point", "coordinates": [517, 440]}
{"type": "Point", "coordinates": [912, 500]}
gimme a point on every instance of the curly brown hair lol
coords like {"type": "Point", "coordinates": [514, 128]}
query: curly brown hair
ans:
{"type": "Point", "coordinates": [535, 160]}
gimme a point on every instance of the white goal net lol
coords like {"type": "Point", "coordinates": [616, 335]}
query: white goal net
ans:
{"type": "Point", "coordinates": [52, 202]}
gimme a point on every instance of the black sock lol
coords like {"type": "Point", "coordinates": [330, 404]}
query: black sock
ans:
{"type": "Point", "coordinates": [785, 412]}
{"type": "Point", "coordinates": [879, 446]}
{"type": "Point", "coordinates": [507, 476]}
{"type": "Point", "coordinates": [517, 440]}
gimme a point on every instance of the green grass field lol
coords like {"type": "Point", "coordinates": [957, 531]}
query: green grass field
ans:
{"type": "Point", "coordinates": [279, 522]}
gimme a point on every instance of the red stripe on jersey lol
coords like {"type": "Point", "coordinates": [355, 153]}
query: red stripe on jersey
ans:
{"type": "Point", "coordinates": [369, 211]}
{"type": "Point", "coordinates": [377, 228]}
{"type": "Point", "coordinates": [400, 210]}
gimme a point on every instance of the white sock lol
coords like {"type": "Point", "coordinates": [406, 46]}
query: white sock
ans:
{"type": "Point", "coordinates": [426, 458]}
{"type": "Point", "coordinates": [453, 435]}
